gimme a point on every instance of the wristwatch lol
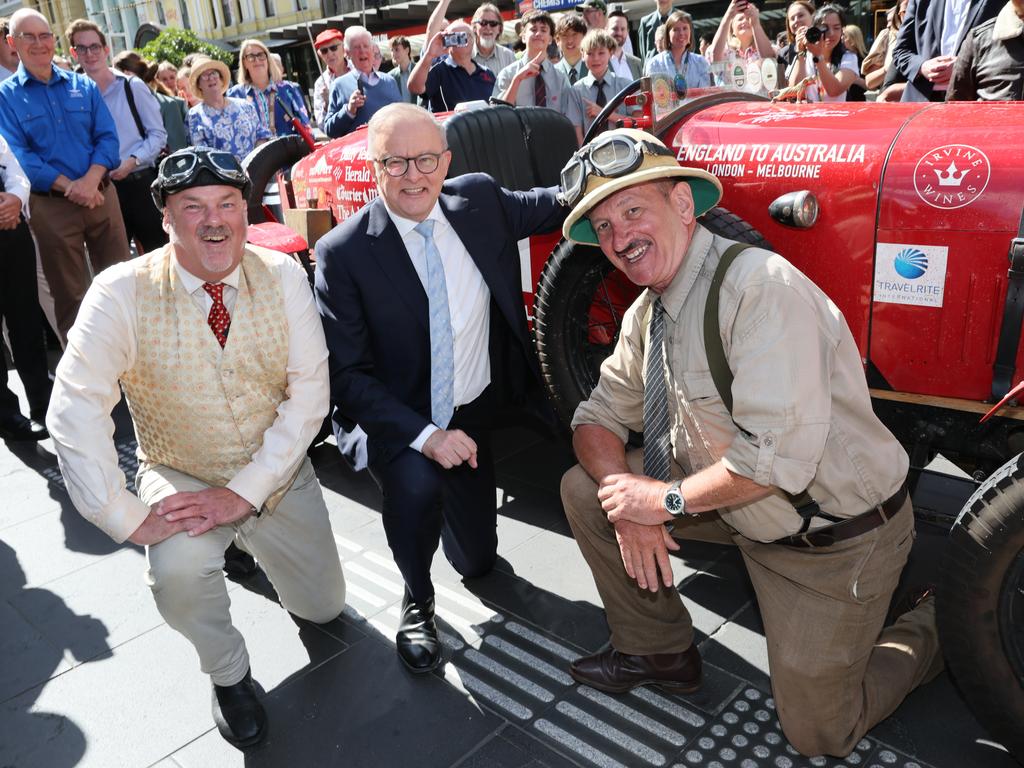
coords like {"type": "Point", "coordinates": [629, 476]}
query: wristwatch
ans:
{"type": "Point", "coordinates": [674, 502]}
{"type": "Point", "coordinates": [815, 59]}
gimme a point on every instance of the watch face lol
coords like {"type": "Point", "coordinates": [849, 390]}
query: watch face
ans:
{"type": "Point", "coordinates": [674, 502]}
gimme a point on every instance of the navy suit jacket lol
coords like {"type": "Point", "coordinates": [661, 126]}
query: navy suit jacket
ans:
{"type": "Point", "coordinates": [920, 39]}
{"type": "Point", "coordinates": [375, 316]}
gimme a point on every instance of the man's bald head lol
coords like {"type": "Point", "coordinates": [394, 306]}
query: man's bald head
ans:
{"type": "Point", "coordinates": [22, 15]}
{"type": "Point", "coordinates": [384, 121]}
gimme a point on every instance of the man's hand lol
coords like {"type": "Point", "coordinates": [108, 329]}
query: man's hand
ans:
{"type": "Point", "coordinates": [533, 68]}
{"type": "Point", "coordinates": [450, 448]}
{"type": "Point", "coordinates": [633, 498]}
{"type": "Point", "coordinates": [125, 168]}
{"type": "Point", "coordinates": [211, 506]}
{"type": "Point", "coordinates": [80, 193]}
{"type": "Point", "coordinates": [10, 210]}
{"type": "Point", "coordinates": [155, 529]}
{"type": "Point", "coordinates": [893, 93]}
{"type": "Point", "coordinates": [356, 101]}
{"type": "Point", "coordinates": [644, 551]}
{"type": "Point", "coordinates": [938, 69]}
{"type": "Point", "coordinates": [437, 47]}
{"type": "Point", "coordinates": [592, 109]}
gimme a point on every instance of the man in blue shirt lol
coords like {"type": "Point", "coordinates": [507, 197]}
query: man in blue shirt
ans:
{"type": "Point", "coordinates": [65, 140]}
{"type": "Point", "coordinates": [449, 81]}
{"type": "Point", "coordinates": [356, 96]}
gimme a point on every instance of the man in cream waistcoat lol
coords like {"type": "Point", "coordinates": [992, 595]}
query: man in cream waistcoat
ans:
{"type": "Point", "coordinates": [221, 355]}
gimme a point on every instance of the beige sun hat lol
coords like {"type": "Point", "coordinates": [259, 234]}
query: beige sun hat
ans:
{"type": "Point", "coordinates": [201, 65]}
{"type": "Point", "coordinates": [706, 189]}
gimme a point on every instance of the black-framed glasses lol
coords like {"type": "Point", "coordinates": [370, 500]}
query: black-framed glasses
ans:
{"type": "Point", "coordinates": [398, 166]}
{"type": "Point", "coordinates": [181, 167]}
{"type": "Point", "coordinates": [81, 50]}
{"type": "Point", "coordinates": [609, 156]}
{"type": "Point", "coordinates": [330, 48]}
{"type": "Point", "coordinates": [489, 23]}
{"type": "Point", "coordinates": [28, 37]}
{"type": "Point", "coordinates": [259, 56]}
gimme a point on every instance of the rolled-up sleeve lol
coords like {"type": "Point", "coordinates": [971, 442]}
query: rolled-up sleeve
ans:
{"type": "Point", "coordinates": [617, 402]}
{"type": "Point", "coordinates": [782, 353]}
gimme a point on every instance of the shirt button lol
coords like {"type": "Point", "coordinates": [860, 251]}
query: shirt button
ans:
{"type": "Point", "coordinates": [768, 441]}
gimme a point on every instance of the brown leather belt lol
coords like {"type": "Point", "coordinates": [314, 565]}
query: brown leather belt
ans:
{"type": "Point", "coordinates": [847, 529]}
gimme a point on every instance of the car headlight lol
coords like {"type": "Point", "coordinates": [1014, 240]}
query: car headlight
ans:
{"type": "Point", "coordinates": [795, 209]}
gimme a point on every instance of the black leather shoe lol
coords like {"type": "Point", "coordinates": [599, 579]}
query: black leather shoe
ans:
{"type": "Point", "coordinates": [17, 427]}
{"type": "Point", "coordinates": [417, 642]}
{"type": "Point", "coordinates": [616, 672]}
{"type": "Point", "coordinates": [239, 564]}
{"type": "Point", "coordinates": [238, 713]}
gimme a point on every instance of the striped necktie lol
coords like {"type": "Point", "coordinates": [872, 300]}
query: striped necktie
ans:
{"type": "Point", "coordinates": [442, 343]}
{"type": "Point", "coordinates": [657, 444]}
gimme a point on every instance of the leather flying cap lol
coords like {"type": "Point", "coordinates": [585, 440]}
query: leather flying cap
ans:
{"type": "Point", "coordinates": [198, 167]}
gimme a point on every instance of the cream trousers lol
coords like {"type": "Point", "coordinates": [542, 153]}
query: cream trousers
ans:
{"type": "Point", "coordinates": [294, 545]}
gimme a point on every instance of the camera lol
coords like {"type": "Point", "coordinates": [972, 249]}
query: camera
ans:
{"type": "Point", "coordinates": [814, 34]}
{"type": "Point", "coordinates": [456, 40]}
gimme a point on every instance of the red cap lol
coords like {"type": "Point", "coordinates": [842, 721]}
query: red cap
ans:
{"type": "Point", "coordinates": [327, 36]}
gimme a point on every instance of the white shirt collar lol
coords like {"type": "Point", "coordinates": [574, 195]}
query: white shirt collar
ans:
{"type": "Point", "coordinates": [405, 226]}
{"type": "Point", "coordinates": [193, 283]}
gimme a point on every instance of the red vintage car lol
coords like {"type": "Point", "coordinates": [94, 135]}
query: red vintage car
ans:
{"type": "Point", "coordinates": [909, 216]}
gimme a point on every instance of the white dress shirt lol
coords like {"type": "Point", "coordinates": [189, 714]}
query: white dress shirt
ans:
{"type": "Point", "coordinates": [102, 346]}
{"type": "Point", "coordinates": [14, 178]}
{"type": "Point", "coordinates": [620, 66]}
{"type": "Point", "coordinates": [469, 302]}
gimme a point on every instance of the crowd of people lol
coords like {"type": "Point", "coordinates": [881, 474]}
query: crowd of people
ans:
{"type": "Point", "coordinates": [230, 364]}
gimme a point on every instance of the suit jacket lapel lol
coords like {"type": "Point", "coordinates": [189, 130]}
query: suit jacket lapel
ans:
{"type": "Point", "coordinates": [388, 251]}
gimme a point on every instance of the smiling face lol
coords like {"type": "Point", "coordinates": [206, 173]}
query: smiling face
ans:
{"type": "Point", "coordinates": [597, 61]}
{"type": "Point", "coordinates": [797, 16]}
{"type": "Point", "coordinates": [207, 227]}
{"type": "Point", "coordinates": [645, 230]}
{"type": "Point", "coordinates": [33, 49]}
{"type": "Point", "coordinates": [210, 85]}
{"type": "Point", "coordinates": [408, 133]}
{"type": "Point", "coordinates": [169, 77]}
{"type": "Point", "coordinates": [90, 51]}
{"type": "Point", "coordinates": [487, 28]}
{"type": "Point", "coordinates": [679, 36]}
{"type": "Point", "coordinates": [536, 36]}
{"type": "Point", "coordinates": [618, 27]}
{"type": "Point", "coordinates": [256, 63]}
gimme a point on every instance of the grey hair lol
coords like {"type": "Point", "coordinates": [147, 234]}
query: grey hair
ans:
{"type": "Point", "coordinates": [400, 112]}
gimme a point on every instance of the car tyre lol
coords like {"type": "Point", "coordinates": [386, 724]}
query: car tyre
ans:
{"type": "Point", "coordinates": [980, 604]}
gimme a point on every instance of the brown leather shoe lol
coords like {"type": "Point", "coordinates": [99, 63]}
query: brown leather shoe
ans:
{"type": "Point", "coordinates": [616, 672]}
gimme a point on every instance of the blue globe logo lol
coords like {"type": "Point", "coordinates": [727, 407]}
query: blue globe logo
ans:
{"type": "Point", "coordinates": [911, 263]}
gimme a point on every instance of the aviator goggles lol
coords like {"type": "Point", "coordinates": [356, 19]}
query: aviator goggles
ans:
{"type": "Point", "coordinates": [611, 156]}
{"type": "Point", "coordinates": [182, 169]}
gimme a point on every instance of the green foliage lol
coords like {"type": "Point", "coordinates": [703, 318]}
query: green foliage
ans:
{"type": "Point", "coordinates": [174, 44]}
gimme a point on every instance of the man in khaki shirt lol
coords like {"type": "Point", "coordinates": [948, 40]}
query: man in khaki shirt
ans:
{"type": "Point", "coordinates": [798, 473]}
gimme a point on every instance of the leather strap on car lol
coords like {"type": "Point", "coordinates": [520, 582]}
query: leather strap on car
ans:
{"type": "Point", "coordinates": [1013, 315]}
{"type": "Point", "coordinates": [721, 373]}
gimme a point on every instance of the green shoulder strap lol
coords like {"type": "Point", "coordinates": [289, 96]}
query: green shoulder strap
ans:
{"type": "Point", "coordinates": [721, 373]}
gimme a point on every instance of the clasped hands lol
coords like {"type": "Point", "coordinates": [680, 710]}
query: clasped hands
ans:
{"type": "Point", "coordinates": [10, 210]}
{"type": "Point", "coordinates": [635, 506]}
{"type": "Point", "coordinates": [194, 512]}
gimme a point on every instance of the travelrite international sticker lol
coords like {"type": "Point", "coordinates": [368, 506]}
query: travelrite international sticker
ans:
{"type": "Point", "coordinates": [910, 274]}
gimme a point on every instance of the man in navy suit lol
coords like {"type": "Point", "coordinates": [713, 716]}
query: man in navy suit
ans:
{"type": "Point", "coordinates": [422, 307]}
{"type": "Point", "coordinates": [929, 40]}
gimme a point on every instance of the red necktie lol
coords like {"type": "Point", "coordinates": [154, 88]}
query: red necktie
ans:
{"type": "Point", "coordinates": [540, 92]}
{"type": "Point", "coordinates": [219, 319]}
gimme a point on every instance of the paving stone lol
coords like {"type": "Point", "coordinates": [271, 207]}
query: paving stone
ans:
{"type": "Point", "coordinates": [27, 494]}
{"type": "Point", "coordinates": [342, 716]}
{"type": "Point", "coordinates": [27, 658]}
{"type": "Point", "coordinates": [511, 748]}
{"type": "Point", "coordinates": [552, 561]}
{"type": "Point", "coordinates": [110, 591]}
{"type": "Point", "coordinates": [130, 709]}
{"type": "Point", "coordinates": [713, 597]}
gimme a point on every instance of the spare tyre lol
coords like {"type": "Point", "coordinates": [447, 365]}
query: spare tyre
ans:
{"type": "Point", "coordinates": [266, 160]}
{"type": "Point", "coordinates": [579, 305]}
{"type": "Point", "coordinates": [980, 604]}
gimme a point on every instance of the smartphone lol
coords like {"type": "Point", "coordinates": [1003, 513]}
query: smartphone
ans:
{"type": "Point", "coordinates": [359, 86]}
{"type": "Point", "coordinates": [456, 40]}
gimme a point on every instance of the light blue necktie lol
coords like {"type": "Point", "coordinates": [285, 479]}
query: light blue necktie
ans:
{"type": "Point", "coordinates": [442, 345]}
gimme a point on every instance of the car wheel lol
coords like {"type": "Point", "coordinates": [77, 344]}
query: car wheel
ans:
{"type": "Point", "coordinates": [579, 306]}
{"type": "Point", "coordinates": [980, 604]}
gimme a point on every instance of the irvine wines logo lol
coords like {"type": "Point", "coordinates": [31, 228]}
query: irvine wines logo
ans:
{"type": "Point", "coordinates": [952, 176]}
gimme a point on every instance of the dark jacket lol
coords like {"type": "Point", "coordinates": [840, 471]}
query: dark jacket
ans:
{"type": "Point", "coordinates": [989, 68]}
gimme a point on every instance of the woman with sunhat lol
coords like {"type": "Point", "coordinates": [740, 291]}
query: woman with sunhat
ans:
{"type": "Point", "coordinates": [261, 82]}
{"type": "Point", "coordinates": [219, 121]}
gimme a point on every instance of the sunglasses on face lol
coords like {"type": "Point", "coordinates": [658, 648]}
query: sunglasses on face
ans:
{"type": "Point", "coordinates": [330, 48]}
{"type": "Point", "coordinates": [489, 23]}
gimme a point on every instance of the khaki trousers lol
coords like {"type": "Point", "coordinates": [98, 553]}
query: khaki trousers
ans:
{"type": "Point", "coordinates": [835, 672]}
{"type": "Point", "coordinates": [62, 231]}
{"type": "Point", "coordinates": [295, 546]}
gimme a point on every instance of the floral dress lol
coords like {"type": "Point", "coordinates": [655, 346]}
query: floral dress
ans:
{"type": "Point", "coordinates": [236, 128]}
{"type": "Point", "coordinates": [276, 105]}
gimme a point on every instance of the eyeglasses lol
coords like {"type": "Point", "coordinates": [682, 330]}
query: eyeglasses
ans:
{"type": "Point", "coordinates": [82, 50]}
{"type": "Point", "coordinates": [488, 23]}
{"type": "Point", "coordinates": [42, 37]}
{"type": "Point", "coordinates": [261, 56]}
{"type": "Point", "coordinates": [210, 75]}
{"type": "Point", "coordinates": [330, 48]}
{"type": "Point", "coordinates": [398, 166]}
{"type": "Point", "coordinates": [610, 157]}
